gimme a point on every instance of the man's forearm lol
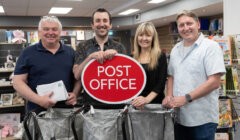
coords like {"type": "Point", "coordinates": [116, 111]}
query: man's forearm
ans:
{"type": "Point", "coordinates": [77, 69]}
{"type": "Point", "coordinates": [211, 84]}
{"type": "Point", "coordinates": [23, 89]}
{"type": "Point", "coordinates": [77, 87]}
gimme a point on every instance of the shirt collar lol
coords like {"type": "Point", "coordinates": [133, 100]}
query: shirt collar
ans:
{"type": "Point", "coordinates": [199, 40]}
{"type": "Point", "coordinates": [41, 48]}
{"type": "Point", "coordinates": [196, 43]}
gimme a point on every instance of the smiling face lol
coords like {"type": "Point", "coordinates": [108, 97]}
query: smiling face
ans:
{"type": "Point", "coordinates": [101, 24]}
{"type": "Point", "coordinates": [145, 39]}
{"type": "Point", "coordinates": [49, 33]}
{"type": "Point", "coordinates": [188, 29]}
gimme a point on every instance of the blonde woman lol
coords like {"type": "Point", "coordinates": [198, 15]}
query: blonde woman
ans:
{"type": "Point", "coordinates": [148, 53]}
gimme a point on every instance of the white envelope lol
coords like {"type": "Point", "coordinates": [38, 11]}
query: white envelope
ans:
{"type": "Point", "coordinates": [59, 90]}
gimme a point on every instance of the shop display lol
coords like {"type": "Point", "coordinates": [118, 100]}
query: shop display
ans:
{"type": "Point", "coordinates": [9, 123]}
{"type": "Point", "coordinates": [6, 99]}
{"type": "Point", "coordinates": [225, 113]}
{"type": "Point", "coordinates": [32, 37]}
{"type": "Point", "coordinates": [225, 44]}
{"type": "Point", "coordinates": [221, 136]}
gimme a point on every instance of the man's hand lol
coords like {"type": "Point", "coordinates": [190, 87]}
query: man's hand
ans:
{"type": "Point", "coordinates": [173, 102]}
{"type": "Point", "coordinates": [178, 101]}
{"type": "Point", "coordinates": [109, 54]}
{"type": "Point", "coordinates": [72, 99]}
{"type": "Point", "coordinates": [46, 102]}
{"type": "Point", "coordinates": [167, 102]}
{"type": "Point", "coordinates": [99, 56]}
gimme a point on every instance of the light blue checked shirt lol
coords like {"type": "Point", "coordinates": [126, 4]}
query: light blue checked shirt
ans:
{"type": "Point", "coordinates": [190, 71]}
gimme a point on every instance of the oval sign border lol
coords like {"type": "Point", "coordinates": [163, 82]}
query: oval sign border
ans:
{"type": "Point", "coordinates": [119, 102]}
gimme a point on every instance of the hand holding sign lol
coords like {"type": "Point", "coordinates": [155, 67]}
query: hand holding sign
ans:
{"type": "Point", "coordinates": [109, 54]}
{"type": "Point", "coordinates": [99, 56]}
{"type": "Point", "coordinates": [102, 56]}
{"type": "Point", "coordinates": [115, 81]}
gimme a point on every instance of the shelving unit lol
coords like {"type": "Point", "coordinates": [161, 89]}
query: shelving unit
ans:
{"type": "Point", "coordinates": [7, 70]}
{"type": "Point", "coordinates": [10, 106]}
{"type": "Point", "coordinates": [10, 138]}
{"type": "Point", "coordinates": [7, 87]}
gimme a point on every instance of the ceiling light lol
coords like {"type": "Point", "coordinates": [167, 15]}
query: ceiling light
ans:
{"type": "Point", "coordinates": [1, 9]}
{"type": "Point", "coordinates": [59, 10]}
{"type": "Point", "coordinates": [156, 1]}
{"type": "Point", "coordinates": [129, 11]}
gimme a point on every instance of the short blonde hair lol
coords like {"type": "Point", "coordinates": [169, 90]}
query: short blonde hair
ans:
{"type": "Point", "coordinates": [148, 27]}
{"type": "Point", "coordinates": [188, 13]}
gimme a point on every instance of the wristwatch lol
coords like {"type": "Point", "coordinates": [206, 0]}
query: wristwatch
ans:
{"type": "Point", "coordinates": [188, 97]}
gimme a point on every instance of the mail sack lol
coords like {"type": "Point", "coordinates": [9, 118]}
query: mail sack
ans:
{"type": "Point", "coordinates": [152, 123]}
{"type": "Point", "coordinates": [54, 124]}
{"type": "Point", "coordinates": [102, 124]}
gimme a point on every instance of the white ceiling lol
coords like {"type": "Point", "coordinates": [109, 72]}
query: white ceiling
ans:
{"type": "Point", "coordinates": [85, 8]}
{"type": "Point", "coordinates": [210, 10]}
{"type": "Point", "coordinates": [81, 8]}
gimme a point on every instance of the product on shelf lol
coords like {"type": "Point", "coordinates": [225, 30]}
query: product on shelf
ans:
{"type": "Point", "coordinates": [225, 113]}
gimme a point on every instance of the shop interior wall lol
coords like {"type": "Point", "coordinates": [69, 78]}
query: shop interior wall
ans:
{"type": "Point", "coordinates": [123, 36]}
{"type": "Point", "coordinates": [231, 20]}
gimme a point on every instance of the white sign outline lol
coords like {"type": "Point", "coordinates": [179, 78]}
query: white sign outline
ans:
{"type": "Point", "coordinates": [118, 102]}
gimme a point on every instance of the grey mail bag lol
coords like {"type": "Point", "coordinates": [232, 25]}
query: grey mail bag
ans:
{"type": "Point", "coordinates": [103, 124]}
{"type": "Point", "coordinates": [152, 123]}
{"type": "Point", "coordinates": [54, 124]}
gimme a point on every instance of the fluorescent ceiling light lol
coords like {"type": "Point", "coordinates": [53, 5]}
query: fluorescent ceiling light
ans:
{"type": "Point", "coordinates": [129, 11]}
{"type": "Point", "coordinates": [156, 1]}
{"type": "Point", "coordinates": [59, 10]}
{"type": "Point", "coordinates": [1, 9]}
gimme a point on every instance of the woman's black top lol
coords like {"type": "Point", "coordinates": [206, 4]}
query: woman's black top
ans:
{"type": "Point", "coordinates": [156, 79]}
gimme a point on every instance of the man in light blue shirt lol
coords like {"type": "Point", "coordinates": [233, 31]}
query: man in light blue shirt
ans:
{"type": "Point", "coordinates": [195, 68]}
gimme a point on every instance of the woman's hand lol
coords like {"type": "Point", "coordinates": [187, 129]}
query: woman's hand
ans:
{"type": "Point", "coordinates": [139, 102]}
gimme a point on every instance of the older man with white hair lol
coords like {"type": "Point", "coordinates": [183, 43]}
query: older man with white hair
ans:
{"type": "Point", "coordinates": [45, 62]}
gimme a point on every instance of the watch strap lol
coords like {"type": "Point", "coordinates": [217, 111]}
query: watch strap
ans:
{"type": "Point", "coordinates": [188, 97]}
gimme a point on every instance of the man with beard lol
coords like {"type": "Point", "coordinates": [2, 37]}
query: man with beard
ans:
{"type": "Point", "coordinates": [101, 47]}
{"type": "Point", "coordinates": [45, 62]}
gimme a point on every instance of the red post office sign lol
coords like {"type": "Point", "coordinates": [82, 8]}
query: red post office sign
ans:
{"type": "Point", "coordinates": [115, 81]}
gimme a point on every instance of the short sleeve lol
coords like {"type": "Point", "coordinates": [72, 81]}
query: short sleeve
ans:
{"type": "Point", "coordinates": [80, 55]}
{"type": "Point", "coordinates": [170, 70]}
{"type": "Point", "coordinates": [22, 65]}
{"type": "Point", "coordinates": [214, 61]}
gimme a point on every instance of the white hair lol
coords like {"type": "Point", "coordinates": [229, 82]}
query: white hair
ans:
{"type": "Point", "coordinates": [49, 19]}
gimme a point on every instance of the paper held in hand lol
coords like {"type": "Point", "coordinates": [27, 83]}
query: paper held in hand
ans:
{"type": "Point", "coordinates": [59, 90]}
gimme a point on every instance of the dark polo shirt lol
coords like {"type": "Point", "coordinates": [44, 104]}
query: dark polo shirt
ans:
{"type": "Point", "coordinates": [43, 67]}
